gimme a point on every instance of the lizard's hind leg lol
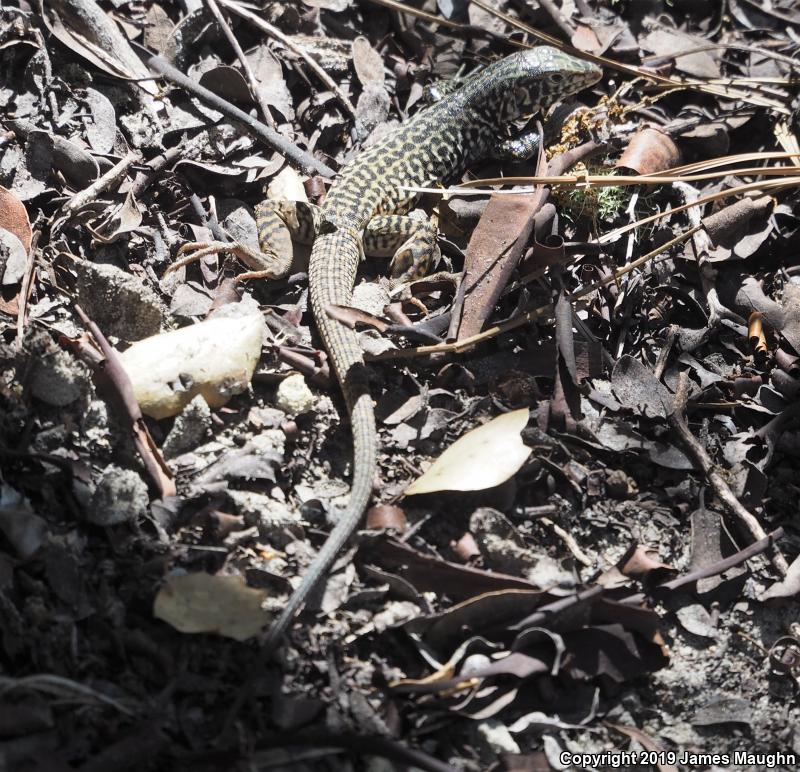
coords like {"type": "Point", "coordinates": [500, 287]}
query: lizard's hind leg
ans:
{"type": "Point", "coordinates": [409, 241]}
{"type": "Point", "coordinates": [279, 221]}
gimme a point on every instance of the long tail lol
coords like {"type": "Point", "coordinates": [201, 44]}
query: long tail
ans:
{"type": "Point", "coordinates": [332, 271]}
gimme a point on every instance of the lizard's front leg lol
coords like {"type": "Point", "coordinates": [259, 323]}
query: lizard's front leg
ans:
{"type": "Point", "coordinates": [521, 148]}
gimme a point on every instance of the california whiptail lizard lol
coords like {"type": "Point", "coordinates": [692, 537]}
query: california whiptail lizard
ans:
{"type": "Point", "coordinates": [362, 213]}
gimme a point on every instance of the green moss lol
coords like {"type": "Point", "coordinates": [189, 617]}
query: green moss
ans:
{"type": "Point", "coordinates": [599, 204]}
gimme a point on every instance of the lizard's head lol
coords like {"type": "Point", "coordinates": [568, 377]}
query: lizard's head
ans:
{"type": "Point", "coordinates": [540, 76]}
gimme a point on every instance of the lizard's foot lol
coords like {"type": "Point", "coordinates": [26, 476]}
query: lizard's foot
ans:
{"type": "Point", "coordinates": [197, 250]}
{"type": "Point", "coordinates": [263, 265]}
{"type": "Point", "coordinates": [404, 291]}
{"type": "Point", "coordinates": [414, 257]}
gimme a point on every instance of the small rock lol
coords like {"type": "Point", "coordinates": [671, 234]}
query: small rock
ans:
{"type": "Point", "coordinates": [120, 497]}
{"type": "Point", "coordinates": [13, 258]}
{"type": "Point", "coordinates": [190, 428]}
{"type": "Point", "coordinates": [496, 735]}
{"type": "Point", "coordinates": [293, 395]}
{"type": "Point", "coordinates": [54, 376]}
{"type": "Point", "coordinates": [274, 519]}
{"type": "Point", "coordinates": [371, 297]}
{"type": "Point", "coordinates": [118, 302]}
{"type": "Point", "coordinates": [269, 442]}
{"type": "Point", "coordinates": [619, 485]}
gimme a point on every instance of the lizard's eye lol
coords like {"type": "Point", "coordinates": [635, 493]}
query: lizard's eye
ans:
{"type": "Point", "coordinates": [557, 77]}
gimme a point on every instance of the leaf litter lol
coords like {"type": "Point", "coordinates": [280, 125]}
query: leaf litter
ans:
{"type": "Point", "coordinates": [601, 380]}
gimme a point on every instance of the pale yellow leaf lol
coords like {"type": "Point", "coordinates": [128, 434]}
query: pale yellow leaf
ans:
{"type": "Point", "coordinates": [482, 458]}
{"type": "Point", "coordinates": [202, 603]}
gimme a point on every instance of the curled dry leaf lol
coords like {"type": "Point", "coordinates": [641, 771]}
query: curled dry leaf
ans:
{"type": "Point", "coordinates": [726, 226]}
{"type": "Point", "coordinates": [215, 358]}
{"type": "Point", "coordinates": [483, 458]}
{"type": "Point", "coordinates": [650, 151]}
{"type": "Point", "coordinates": [202, 603]}
{"type": "Point", "coordinates": [92, 34]}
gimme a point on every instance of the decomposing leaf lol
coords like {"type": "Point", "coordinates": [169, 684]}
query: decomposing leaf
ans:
{"type": "Point", "coordinates": [721, 709]}
{"type": "Point", "coordinates": [367, 63]}
{"type": "Point", "coordinates": [636, 387]}
{"type": "Point", "coordinates": [482, 458]}
{"type": "Point", "coordinates": [670, 43]}
{"type": "Point", "coordinates": [202, 603]}
{"type": "Point", "coordinates": [101, 129]}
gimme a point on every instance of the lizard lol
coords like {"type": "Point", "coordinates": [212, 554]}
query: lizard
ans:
{"type": "Point", "coordinates": [363, 213]}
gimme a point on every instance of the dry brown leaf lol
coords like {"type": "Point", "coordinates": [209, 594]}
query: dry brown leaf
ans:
{"type": "Point", "coordinates": [202, 603]}
{"type": "Point", "coordinates": [650, 151]}
{"type": "Point", "coordinates": [14, 217]}
{"type": "Point", "coordinates": [485, 457]}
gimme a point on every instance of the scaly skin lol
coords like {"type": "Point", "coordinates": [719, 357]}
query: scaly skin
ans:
{"type": "Point", "coordinates": [433, 147]}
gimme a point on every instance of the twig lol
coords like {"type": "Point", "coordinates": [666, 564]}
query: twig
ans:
{"type": "Point", "coordinates": [151, 457]}
{"type": "Point", "coordinates": [570, 541]}
{"type": "Point", "coordinates": [274, 32]}
{"type": "Point", "coordinates": [678, 423]}
{"type": "Point", "coordinates": [57, 685]}
{"type": "Point", "coordinates": [156, 165]}
{"type": "Point", "coordinates": [25, 288]}
{"type": "Point", "coordinates": [720, 566]}
{"type": "Point", "coordinates": [305, 162]}
{"type": "Point", "coordinates": [104, 182]}
{"type": "Point", "coordinates": [251, 78]}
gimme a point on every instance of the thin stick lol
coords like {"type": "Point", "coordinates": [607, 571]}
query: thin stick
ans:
{"type": "Point", "coordinates": [725, 564]}
{"type": "Point", "coordinates": [25, 288]}
{"type": "Point", "coordinates": [476, 187]}
{"type": "Point", "coordinates": [299, 158]}
{"type": "Point", "coordinates": [678, 423]}
{"type": "Point", "coordinates": [274, 32]}
{"type": "Point", "coordinates": [251, 78]}
{"type": "Point", "coordinates": [102, 183]}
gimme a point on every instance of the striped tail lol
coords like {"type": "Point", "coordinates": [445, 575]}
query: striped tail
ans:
{"type": "Point", "coordinates": [332, 271]}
